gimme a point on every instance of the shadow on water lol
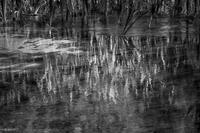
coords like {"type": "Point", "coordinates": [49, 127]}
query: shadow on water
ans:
{"type": "Point", "coordinates": [100, 82]}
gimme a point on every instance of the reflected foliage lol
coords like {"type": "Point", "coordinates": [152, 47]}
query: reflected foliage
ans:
{"type": "Point", "coordinates": [104, 84]}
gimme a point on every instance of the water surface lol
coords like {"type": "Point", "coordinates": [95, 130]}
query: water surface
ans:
{"type": "Point", "coordinates": [97, 80]}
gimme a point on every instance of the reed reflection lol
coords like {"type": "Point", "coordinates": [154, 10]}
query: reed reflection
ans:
{"type": "Point", "coordinates": [104, 81]}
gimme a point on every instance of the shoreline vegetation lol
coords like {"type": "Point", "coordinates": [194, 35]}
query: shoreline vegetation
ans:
{"type": "Point", "coordinates": [55, 11]}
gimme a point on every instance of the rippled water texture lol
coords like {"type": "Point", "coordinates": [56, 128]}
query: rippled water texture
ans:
{"type": "Point", "coordinates": [98, 81]}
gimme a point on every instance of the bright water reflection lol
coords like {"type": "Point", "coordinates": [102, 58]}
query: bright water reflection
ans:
{"type": "Point", "coordinates": [101, 83]}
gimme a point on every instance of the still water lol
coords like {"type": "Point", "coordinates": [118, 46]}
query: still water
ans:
{"type": "Point", "coordinates": [95, 80]}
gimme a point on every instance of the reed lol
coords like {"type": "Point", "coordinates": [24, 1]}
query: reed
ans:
{"type": "Point", "coordinates": [74, 8]}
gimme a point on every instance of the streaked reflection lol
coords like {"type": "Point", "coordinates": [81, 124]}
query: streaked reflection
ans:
{"type": "Point", "coordinates": [107, 84]}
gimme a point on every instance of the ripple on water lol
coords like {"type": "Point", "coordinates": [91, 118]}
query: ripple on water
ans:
{"type": "Point", "coordinates": [60, 125]}
{"type": "Point", "coordinates": [41, 111]}
{"type": "Point", "coordinates": [39, 124]}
